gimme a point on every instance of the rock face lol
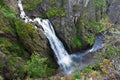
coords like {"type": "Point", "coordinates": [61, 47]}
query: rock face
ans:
{"type": "Point", "coordinates": [113, 10]}
{"type": "Point", "coordinates": [18, 41]}
{"type": "Point", "coordinates": [65, 25]}
{"type": "Point", "coordinates": [69, 25]}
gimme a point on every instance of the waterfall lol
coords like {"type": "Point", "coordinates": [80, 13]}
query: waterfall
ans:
{"type": "Point", "coordinates": [61, 54]}
{"type": "Point", "coordinates": [66, 62]}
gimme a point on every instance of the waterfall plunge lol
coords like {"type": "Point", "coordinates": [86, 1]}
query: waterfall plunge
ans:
{"type": "Point", "coordinates": [61, 54]}
{"type": "Point", "coordinates": [66, 62]}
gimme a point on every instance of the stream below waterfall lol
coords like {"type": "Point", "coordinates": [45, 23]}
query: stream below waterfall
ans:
{"type": "Point", "coordinates": [66, 62]}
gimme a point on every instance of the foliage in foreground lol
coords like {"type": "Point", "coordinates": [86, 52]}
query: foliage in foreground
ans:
{"type": "Point", "coordinates": [37, 67]}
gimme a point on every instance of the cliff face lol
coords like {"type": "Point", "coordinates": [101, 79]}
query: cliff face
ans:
{"type": "Point", "coordinates": [70, 19]}
{"type": "Point", "coordinates": [71, 23]}
{"type": "Point", "coordinates": [113, 10]}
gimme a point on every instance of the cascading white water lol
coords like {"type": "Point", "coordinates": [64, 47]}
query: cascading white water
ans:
{"type": "Point", "coordinates": [65, 61]}
{"type": "Point", "coordinates": [61, 54]}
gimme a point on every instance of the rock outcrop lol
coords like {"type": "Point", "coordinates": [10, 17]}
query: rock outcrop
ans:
{"type": "Point", "coordinates": [113, 10]}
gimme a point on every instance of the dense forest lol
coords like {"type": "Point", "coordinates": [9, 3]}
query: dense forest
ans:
{"type": "Point", "coordinates": [27, 53]}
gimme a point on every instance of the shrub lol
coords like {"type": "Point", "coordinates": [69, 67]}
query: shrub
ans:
{"type": "Point", "coordinates": [76, 41]}
{"type": "Point", "coordinates": [37, 66]}
{"type": "Point", "coordinates": [76, 76]}
{"type": "Point", "coordinates": [87, 69]}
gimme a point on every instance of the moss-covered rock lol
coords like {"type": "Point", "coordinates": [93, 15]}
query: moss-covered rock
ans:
{"type": "Point", "coordinates": [53, 12]}
{"type": "Point", "coordinates": [31, 4]}
{"type": "Point", "coordinates": [18, 41]}
{"type": "Point", "coordinates": [86, 30]}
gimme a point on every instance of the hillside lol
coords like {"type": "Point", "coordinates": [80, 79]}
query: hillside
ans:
{"type": "Point", "coordinates": [27, 54]}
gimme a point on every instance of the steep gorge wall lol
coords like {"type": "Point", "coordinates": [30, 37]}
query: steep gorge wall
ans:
{"type": "Point", "coordinates": [76, 23]}
{"type": "Point", "coordinates": [71, 27]}
{"type": "Point", "coordinates": [113, 10]}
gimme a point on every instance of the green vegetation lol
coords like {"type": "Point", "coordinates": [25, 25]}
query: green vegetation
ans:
{"type": "Point", "coordinates": [7, 11]}
{"type": "Point", "coordinates": [37, 67]}
{"type": "Point", "coordinates": [1, 78]}
{"type": "Point", "coordinates": [7, 29]}
{"type": "Point", "coordinates": [88, 29]}
{"type": "Point", "coordinates": [100, 8]}
{"type": "Point", "coordinates": [99, 3]}
{"type": "Point", "coordinates": [111, 48]}
{"type": "Point", "coordinates": [8, 45]}
{"type": "Point", "coordinates": [27, 36]}
{"type": "Point", "coordinates": [24, 30]}
{"type": "Point", "coordinates": [16, 65]}
{"type": "Point", "coordinates": [7, 15]}
{"type": "Point", "coordinates": [18, 37]}
{"type": "Point", "coordinates": [31, 4]}
{"type": "Point", "coordinates": [19, 42]}
{"type": "Point", "coordinates": [76, 76]}
{"type": "Point", "coordinates": [88, 69]}
{"type": "Point", "coordinates": [55, 12]}
{"type": "Point", "coordinates": [76, 41]}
